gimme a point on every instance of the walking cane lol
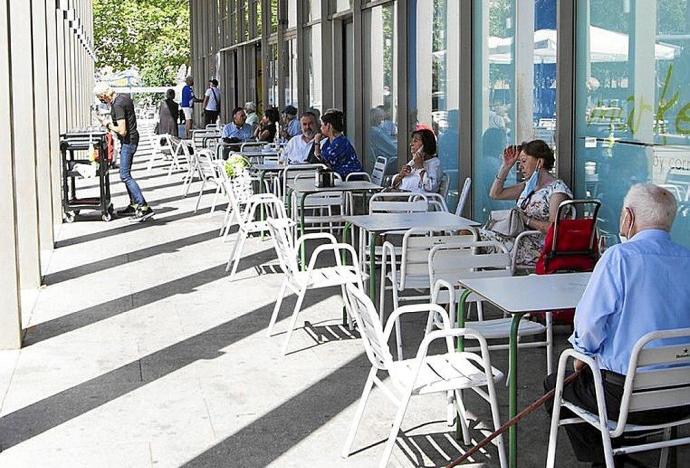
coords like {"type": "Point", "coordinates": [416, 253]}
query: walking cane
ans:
{"type": "Point", "coordinates": [528, 410]}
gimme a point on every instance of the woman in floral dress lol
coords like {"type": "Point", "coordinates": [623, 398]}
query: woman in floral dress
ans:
{"type": "Point", "coordinates": [538, 197]}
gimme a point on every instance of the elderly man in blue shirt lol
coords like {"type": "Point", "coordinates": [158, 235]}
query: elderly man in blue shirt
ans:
{"type": "Point", "coordinates": [336, 151]}
{"type": "Point", "coordinates": [237, 131]}
{"type": "Point", "coordinates": [637, 287]}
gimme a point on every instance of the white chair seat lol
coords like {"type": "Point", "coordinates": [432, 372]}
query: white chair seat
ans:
{"type": "Point", "coordinates": [500, 328]}
{"type": "Point", "coordinates": [411, 281]}
{"type": "Point", "coordinates": [326, 277]}
{"type": "Point", "coordinates": [441, 373]}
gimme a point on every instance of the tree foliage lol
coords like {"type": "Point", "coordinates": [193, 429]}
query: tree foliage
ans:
{"type": "Point", "coordinates": [151, 35]}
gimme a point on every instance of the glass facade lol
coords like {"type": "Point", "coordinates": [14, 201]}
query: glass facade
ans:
{"type": "Point", "coordinates": [629, 120]}
{"type": "Point", "coordinates": [380, 84]}
{"type": "Point", "coordinates": [633, 104]}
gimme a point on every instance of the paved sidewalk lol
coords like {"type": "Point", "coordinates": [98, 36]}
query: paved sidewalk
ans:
{"type": "Point", "coordinates": [140, 352]}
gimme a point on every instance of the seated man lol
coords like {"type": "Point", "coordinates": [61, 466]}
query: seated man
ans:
{"type": "Point", "coordinates": [236, 132]}
{"type": "Point", "coordinates": [298, 148]}
{"type": "Point", "coordinates": [336, 151]}
{"type": "Point", "coordinates": [637, 287]}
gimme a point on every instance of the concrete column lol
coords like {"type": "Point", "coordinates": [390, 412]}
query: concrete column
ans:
{"type": "Point", "coordinates": [10, 312]}
{"type": "Point", "coordinates": [41, 123]}
{"type": "Point", "coordinates": [53, 123]}
{"type": "Point", "coordinates": [524, 70]}
{"type": "Point", "coordinates": [22, 120]}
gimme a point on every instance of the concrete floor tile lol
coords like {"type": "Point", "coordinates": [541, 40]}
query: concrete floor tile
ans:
{"type": "Point", "coordinates": [130, 455]}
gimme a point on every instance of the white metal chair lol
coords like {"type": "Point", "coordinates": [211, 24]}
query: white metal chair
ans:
{"type": "Point", "coordinates": [448, 373]}
{"type": "Point", "coordinates": [444, 186]}
{"type": "Point", "coordinates": [658, 377]}
{"type": "Point", "coordinates": [248, 224]}
{"type": "Point", "coordinates": [323, 210]}
{"type": "Point", "coordinates": [209, 172]}
{"type": "Point", "coordinates": [290, 173]}
{"type": "Point", "coordinates": [313, 277]}
{"type": "Point", "coordinates": [464, 194]}
{"type": "Point", "coordinates": [479, 259]}
{"type": "Point", "coordinates": [161, 147]}
{"type": "Point", "coordinates": [413, 273]}
{"type": "Point", "coordinates": [379, 171]}
{"type": "Point", "coordinates": [358, 176]}
{"type": "Point", "coordinates": [181, 152]}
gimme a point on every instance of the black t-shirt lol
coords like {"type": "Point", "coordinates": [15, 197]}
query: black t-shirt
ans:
{"type": "Point", "coordinates": [123, 108]}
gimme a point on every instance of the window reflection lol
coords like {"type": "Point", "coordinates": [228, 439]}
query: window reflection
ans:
{"type": "Point", "coordinates": [312, 39]}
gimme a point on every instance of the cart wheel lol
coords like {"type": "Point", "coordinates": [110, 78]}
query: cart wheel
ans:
{"type": "Point", "coordinates": [107, 217]}
{"type": "Point", "coordinates": [69, 217]}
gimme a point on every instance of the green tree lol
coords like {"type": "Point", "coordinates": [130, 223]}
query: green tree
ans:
{"type": "Point", "coordinates": [151, 35]}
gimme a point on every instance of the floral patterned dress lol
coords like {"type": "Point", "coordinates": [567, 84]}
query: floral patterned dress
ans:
{"type": "Point", "coordinates": [537, 208]}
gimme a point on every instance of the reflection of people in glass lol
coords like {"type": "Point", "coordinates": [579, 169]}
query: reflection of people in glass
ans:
{"type": "Point", "coordinates": [380, 141]}
{"type": "Point", "coordinates": [423, 173]}
{"type": "Point", "coordinates": [626, 167]}
{"type": "Point", "coordinates": [494, 140]}
{"type": "Point", "coordinates": [387, 123]}
{"type": "Point", "coordinates": [537, 197]}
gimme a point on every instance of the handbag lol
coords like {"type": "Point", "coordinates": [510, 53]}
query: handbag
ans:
{"type": "Point", "coordinates": [506, 222]}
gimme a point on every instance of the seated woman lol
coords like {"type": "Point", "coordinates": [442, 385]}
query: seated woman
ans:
{"type": "Point", "coordinates": [332, 147]}
{"type": "Point", "coordinates": [266, 130]}
{"type": "Point", "coordinates": [537, 198]}
{"type": "Point", "coordinates": [423, 173]}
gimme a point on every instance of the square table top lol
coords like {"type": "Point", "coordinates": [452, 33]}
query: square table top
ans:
{"type": "Point", "coordinates": [270, 166]}
{"type": "Point", "coordinates": [307, 186]}
{"type": "Point", "coordinates": [533, 293]}
{"type": "Point", "coordinates": [382, 222]}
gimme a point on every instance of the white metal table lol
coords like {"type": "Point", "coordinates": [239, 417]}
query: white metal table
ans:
{"type": "Point", "coordinates": [518, 295]}
{"type": "Point", "coordinates": [377, 223]}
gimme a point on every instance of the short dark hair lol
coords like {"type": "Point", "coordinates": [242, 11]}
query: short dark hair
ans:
{"type": "Point", "coordinates": [540, 150]}
{"type": "Point", "coordinates": [335, 118]}
{"type": "Point", "coordinates": [236, 110]}
{"type": "Point", "coordinates": [170, 94]}
{"type": "Point", "coordinates": [428, 140]}
{"type": "Point", "coordinates": [272, 114]}
{"type": "Point", "coordinates": [214, 82]}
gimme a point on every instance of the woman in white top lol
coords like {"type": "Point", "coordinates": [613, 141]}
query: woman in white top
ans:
{"type": "Point", "coordinates": [423, 173]}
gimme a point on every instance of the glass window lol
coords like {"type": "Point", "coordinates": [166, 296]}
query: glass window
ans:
{"type": "Point", "coordinates": [274, 16]}
{"type": "Point", "coordinates": [633, 104]}
{"type": "Point", "coordinates": [312, 40]}
{"type": "Point", "coordinates": [313, 10]}
{"type": "Point", "coordinates": [434, 61]}
{"type": "Point", "coordinates": [494, 95]}
{"type": "Point", "coordinates": [292, 13]}
{"type": "Point", "coordinates": [343, 5]}
{"type": "Point", "coordinates": [259, 19]}
{"type": "Point", "coordinates": [380, 84]}
{"type": "Point", "coordinates": [273, 75]}
{"type": "Point", "coordinates": [291, 91]}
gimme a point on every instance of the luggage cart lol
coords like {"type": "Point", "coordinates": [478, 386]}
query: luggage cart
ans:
{"type": "Point", "coordinates": [79, 141]}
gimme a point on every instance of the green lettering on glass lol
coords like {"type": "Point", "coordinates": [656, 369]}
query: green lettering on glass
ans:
{"type": "Point", "coordinates": [632, 122]}
{"type": "Point", "coordinates": [683, 120]}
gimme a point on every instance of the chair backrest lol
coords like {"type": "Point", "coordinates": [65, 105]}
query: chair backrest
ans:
{"type": "Point", "coordinates": [370, 327]}
{"type": "Point", "coordinates": [469, 259]}
{"type": "Point", "coordinates": [283, 240]}
{"type": "Point", "coordinates": [464, 194]}
{"type": "Point", "coordinates": [291, 172]}
{"type": "Point", "coordinates": [321, 199]}
{"type": "Point", "coordinates": [379, 170]}
{"type": "Point", "coordinates": [207, 166]}
{"type": "Point", "coordinates": [571, 243]}
{"type": "Point", "coordinates": [358, 176]}
{"type": "Point", "coordinates": [436, 202]}
{"type": "Point", "coordinates": [270, 158]}
{"type": "Point", "coordinates": [658, 373]}
{"type": "Point", "coordinates": [444, 186]}
{"type": "Point", "coordinates": [680, 178]}
{"type": "Point", "coordinates": [416, 245]}
{"type": "Point", "coordinates": [398, 202]}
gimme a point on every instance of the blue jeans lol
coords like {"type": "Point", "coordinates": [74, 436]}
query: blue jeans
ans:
{"type": "Point", "coordinates": [126, 155]}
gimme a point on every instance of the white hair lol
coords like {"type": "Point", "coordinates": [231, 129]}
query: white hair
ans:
{"type": "Point", "coordinates": [653, 206]}
{"type": "Point", "coordinates": [250, 106]}
{"type": "Point", "coordinates": [103, 89]}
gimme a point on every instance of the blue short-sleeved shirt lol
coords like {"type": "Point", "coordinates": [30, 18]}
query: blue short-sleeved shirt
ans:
{"type": "Point", "coordinates": [187, 96]}
{"type": "Point", "coordinates": [341, 156]}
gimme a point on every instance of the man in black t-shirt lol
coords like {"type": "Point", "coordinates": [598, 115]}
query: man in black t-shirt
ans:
{"type": "Point", "coordinates": [124, 124]}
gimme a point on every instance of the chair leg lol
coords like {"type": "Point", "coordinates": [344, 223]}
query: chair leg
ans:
{"type": "Point", "coordinates": [480, 310]}
{"type": "Point", "coordinates": [201, 192]}
{"type": "Point", "coordinates": [390, 444]}
{"type": "Point", "coordinates": [233, 252]}
{"type": "Point", "coordinates": [293, 319]}
{"type": "Point", "coordinates": [462, 414]}
{"type": "Point", "coordinates": [238, 253]}
{"type": "Point", "coordinates": [276, 308]}
{"type": "Point", "coordinates": [382, 288]}
{"type": "Point", "coordinates": [663, 459]}
{"type": "Point", "coordinates": [215, 199]}
{"type": "Point", "coordinates": [398, 330]}
{"type": "Point", "coordinates": [350, 325]}
{"type": "Point", "coordinates": [359, 413]}
{"type": "Point", "coordinates": [549, 343]}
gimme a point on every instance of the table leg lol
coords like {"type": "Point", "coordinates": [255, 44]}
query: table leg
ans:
{"type": "Point", "coordinates": [303, 255]}
{"type": "Point", "coordinates": [343, 259]}
{"type": "Point", "coordinates": [512, 397]}
{"type": "Point", "coordinates": [372, 266]}
{"type": "Point", "coordinates": [261, 190]}
{"type": "Point", "coordinates": [460, 344]}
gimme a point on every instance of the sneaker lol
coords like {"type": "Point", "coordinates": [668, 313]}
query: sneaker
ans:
{"type": "Point", "coordinates": [128, 211]}
{"type": "Point", "coordinates": [143, 213]}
